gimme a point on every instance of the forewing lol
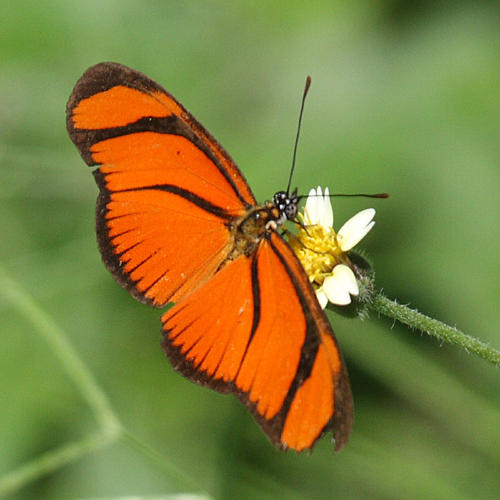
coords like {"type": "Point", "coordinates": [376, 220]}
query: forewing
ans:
{"type": "Point", "coordinates": [168, 190]}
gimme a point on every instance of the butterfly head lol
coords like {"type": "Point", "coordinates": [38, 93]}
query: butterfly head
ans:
{"type": "Point", "coordinates": [287, 204]}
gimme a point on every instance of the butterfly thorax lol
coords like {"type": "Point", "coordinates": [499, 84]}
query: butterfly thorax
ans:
{"type": "Point", "coordinates": [261, 220]}
{"type": "Point", "coordinates": [249, 229]}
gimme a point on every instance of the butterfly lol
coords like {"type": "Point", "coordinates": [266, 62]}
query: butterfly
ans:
{"type": "Point", "coordinates": [177, 223]}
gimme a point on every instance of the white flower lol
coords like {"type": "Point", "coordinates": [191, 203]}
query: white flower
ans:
{"type": "Point", "coordinates": [322, 252]}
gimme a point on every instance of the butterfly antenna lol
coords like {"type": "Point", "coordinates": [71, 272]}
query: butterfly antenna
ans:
{"type": "Point", "coordinates": [364, 195]}
{"type": "Point", "coordinates": [306, 89]}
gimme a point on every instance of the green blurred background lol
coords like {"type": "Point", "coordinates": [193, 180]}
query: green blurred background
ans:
{"type": "Point", "coordinates": [405, 99]}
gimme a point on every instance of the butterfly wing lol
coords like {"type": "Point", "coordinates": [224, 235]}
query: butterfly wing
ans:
{"type": "Point", "coordinates": [168, 190]}
{"type": "Point", "coordinates": [257, 330]}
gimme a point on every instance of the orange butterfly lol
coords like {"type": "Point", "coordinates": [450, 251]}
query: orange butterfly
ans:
{"type": "Point", "coordinates": [177, 222]}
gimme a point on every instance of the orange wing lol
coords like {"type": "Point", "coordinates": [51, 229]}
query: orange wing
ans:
{"type": "Point", "coordinates": [257, 330]}
{"type": "Point", "coordinates": [168, 190]}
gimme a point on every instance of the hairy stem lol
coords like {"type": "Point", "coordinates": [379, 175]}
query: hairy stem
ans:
{"type": "Point", "coordinates": [442, 331]}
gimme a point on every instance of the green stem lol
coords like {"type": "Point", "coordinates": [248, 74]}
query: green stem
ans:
{"type": "Point", "coordinates": [175, 474]}
{"type": "Point", "coordinates": [443, 332]}
{"type": "Point", "coordinates": [52, 460]}
{"type": "Point", "coordinates": [67, 356]}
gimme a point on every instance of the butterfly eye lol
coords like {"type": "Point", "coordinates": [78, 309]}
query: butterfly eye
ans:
{"type": "Point", "coordinates": [291, 210]}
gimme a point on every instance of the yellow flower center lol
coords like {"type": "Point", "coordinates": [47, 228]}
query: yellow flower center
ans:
{"type": "Point", "coordinates": [318, 251]}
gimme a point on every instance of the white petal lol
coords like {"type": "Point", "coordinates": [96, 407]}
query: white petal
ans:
{"type": "Point", "coordinates": [335, 292]}
{"type": "Point", "coordinates": [322, 298]}
{"type": "Point", "coordinates": [318, 198]}
{"type": "Point", "coordinates": [345, 275]}
{"type": "Point", "coordinates": [327, 211]}
{"type": "Point", "coordinates": [355, 229]}
{"type": "Point", "coordinates": [340, 285]}
{"type": "Point", "coordinates": [311, 209]}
